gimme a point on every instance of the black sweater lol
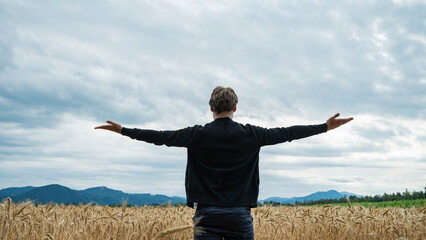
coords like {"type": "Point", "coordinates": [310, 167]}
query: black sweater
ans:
{"type": "Point", "coordinates": [223, 157]}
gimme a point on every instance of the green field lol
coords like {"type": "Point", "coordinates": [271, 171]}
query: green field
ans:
{"type": "Point", "coordinates": [400, 203]}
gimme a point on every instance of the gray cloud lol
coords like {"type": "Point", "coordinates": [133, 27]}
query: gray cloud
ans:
{"type": "Point", "coordinates": [66, 67]}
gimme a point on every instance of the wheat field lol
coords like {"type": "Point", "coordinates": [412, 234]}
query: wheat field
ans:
{"type": "Point", "coordinates": [28, 221]}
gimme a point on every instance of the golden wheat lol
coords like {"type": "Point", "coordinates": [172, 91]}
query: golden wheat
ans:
{"type": "Point", "coordinates": [28, 221]}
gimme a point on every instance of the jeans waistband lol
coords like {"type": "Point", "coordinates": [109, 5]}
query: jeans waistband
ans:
{"type": "Point", "coordinates": [202, 206]}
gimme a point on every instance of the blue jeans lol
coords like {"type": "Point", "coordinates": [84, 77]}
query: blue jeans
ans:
{"type": "Point", "coordinates": [218, 223]}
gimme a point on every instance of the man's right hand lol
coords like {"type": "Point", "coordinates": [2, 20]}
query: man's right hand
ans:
{"type": "Point", "coordinates": [112, 126]}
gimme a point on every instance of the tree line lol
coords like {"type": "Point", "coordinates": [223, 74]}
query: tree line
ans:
{"type": "Point", "coordinates": [376, 198]}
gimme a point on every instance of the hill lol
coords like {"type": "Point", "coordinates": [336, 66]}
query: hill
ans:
{"type": "Point", "coordinates": [51, 194]}
{"type": "Point", "coordinates": [13, 191]}
{"type": "Point", "coordinates": [101, 195]}
{"type": "Point", "coordinates": [105, 196]}
{"type": "Point", "coordinates": [331, 194]}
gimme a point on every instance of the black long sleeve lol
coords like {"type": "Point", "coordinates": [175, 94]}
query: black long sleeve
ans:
{"type": "Point", "coordinates": [223, 157]}
{"type": "Point", "coordinates": [271, 136]}
{"type": "Point", "coordinates": [178, 138]}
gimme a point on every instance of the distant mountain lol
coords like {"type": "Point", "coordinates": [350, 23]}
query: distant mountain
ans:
{"type": "Point", "coordinates": [13, 191]}
{"type": "Point", "coordinates": [51, 194]}
{"type": "Point", "coordinates": [351, 194]}
{"type": "Point", "coordinates": [105, 196]}
{"type": "Point", "coordinates": [332, 194]}
{"type": "Point", "coordinates": [101, 195]}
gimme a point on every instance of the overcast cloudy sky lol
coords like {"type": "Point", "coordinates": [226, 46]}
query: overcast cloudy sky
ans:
{"type": "Point", "coordinates": [67, 66]}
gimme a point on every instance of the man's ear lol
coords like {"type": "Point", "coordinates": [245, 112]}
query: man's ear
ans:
{"type": "Point", "coordinates": [235, 109]}
{"type": "Point", "coordinates": [211, 109]}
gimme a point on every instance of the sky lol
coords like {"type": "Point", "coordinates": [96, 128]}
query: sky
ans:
{"type": "Point", "coordinates": [68, 66]}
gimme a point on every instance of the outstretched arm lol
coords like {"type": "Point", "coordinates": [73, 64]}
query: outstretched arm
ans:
{"type": "Point", "coordinates": [177, 138]}
{"type": "Point", "coordinates": [112, 126]}
{"type": "Point", "coordinates": [273, 136]}
{"type": "Point", "coordinates": [335, 122]}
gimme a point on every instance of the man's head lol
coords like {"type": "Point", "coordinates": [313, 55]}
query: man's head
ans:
{"type": "Point", "coordinates": [223, 100]}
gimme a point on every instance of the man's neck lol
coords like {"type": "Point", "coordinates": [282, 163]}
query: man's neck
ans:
{"type": "Point", "coordinates": [223, 115]}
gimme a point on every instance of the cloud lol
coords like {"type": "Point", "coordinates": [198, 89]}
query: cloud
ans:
{"type": "Point", "coordinates": [66, 67]}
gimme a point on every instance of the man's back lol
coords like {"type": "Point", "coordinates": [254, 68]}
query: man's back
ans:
{"type": "Point", "coordinates": [222, 165]}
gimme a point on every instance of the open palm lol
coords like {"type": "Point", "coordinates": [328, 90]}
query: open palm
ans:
{"type": "Point", "coordinates": [112, 126]}
{"type": "Point", "coordinates": [335, 122]}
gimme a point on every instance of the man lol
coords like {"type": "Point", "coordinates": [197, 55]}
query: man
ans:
{"type": "Point", "coordinates": [222, 173]}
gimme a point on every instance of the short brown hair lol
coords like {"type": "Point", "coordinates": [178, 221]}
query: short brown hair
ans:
{"type": "Point", "coordinates": [223, 99]}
